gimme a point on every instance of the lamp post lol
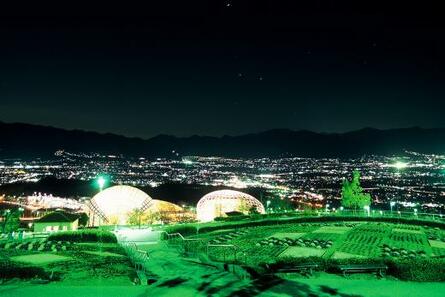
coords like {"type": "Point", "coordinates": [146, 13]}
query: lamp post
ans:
{"type": "Point", "coordinates": [101, 182]}
{"type": "Point", "coordinates": [367, 209]}
{"type": "Point", "coordinates": [391, 204]}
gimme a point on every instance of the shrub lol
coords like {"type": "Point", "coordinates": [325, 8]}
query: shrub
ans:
{"type": "Point", "coordinates": [10, 270]}
{"type": "Point", "coordinates": [185, 230]}
{"type": "Point", "coordinates": [318, 219]}
{"type": "Point", "coordinates": [86, 235]}
{"type": "Point", "coordinates": [232, 218]}
{"type": "Point", "coordinates": [420, 269]}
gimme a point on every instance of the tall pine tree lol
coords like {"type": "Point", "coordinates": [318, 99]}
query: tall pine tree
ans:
{"type": "Point", "coordinates": [352, 194]}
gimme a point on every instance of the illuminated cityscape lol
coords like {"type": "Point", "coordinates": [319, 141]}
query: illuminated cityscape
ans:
{"type": "Point", "coordinates": [414, 180]}
{"type": "Point", "coordinates": [223, 148]}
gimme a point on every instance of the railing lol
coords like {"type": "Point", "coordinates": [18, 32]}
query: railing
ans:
{"type": "Point", "coordinates": [137, 256]}
{"type": "Point", "coordinates": [233, 264]}
{"type": "Point", "coordinates": [19, 236]}
{"type": "Point", "coordinates": [226, 247]}
{"type": "Point", "coordinates": [386, 213]}
{"type": "Point", "coordinates": [188, 246]}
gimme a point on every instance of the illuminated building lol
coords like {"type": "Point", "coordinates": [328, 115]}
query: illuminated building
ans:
{"type": "Point", "coordinates": [115, 205]}
{"type": "Point", "coordinates": [57, 221]}
{"type": "Point", "coordinates": [218, 203]}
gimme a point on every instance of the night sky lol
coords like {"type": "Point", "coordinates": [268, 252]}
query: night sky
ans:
{"type": "Point", "coordinates": [223, 67]}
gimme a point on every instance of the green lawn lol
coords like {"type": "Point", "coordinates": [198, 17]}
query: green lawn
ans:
{"type": "Point", "coordinates": [40, 259]}
{"type": "Point", "coordinates": [332, 229]}
{"type": "Point", "coordinates": [298, 252]}
{"type": "Point", "coordinates": [343, 255]}
{"type": "Point", "coordinates": [104, 254]}
{"type": "Point", "coordinates": [437, 244]}
{"type": "Point", "coordinates": [281, 235]}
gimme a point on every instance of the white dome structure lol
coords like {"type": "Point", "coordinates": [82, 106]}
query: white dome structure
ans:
{"type": "Point", "coordinates": [113, 205]}
{"type": "Point", "coordinates": [164, 206]}
{"type": "Point", "coordinates": [218, 203]}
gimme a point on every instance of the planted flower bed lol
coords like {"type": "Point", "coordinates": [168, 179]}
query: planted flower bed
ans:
{"type": "Point", "coordinates": [315, 243]}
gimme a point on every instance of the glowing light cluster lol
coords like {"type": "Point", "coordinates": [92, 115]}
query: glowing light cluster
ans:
{"type": "Point", "coordinates": [398, 165]}
{"type": "Point", "coordinates": [117, 202]}
{"type": "Point", "coordinates": [218, 203]}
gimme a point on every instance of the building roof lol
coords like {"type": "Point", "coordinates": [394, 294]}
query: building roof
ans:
{"type": "Point", "coordinates": [58, 216]}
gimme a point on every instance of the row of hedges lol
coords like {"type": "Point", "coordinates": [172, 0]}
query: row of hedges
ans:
{"type": "Point", "coordinates": [419, 269]}
{"type": "Point", "coordinates": [232, 218]}
{"type": "Point", "coordinates": [90, 235]}
{"type": "Point", "coordinates": [185, 230]}
{"type": "Point", "coordinates": [192, 229]}
{"type": "Point", "coordinates": [9, 270]}
{"type": "Point", "coordinates": [258, 216]}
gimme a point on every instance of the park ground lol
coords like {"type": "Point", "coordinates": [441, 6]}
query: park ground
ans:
{"type": "Point", "coordinates": [176, 276]}
{"type": "Point", "coordinates": [101, 270]}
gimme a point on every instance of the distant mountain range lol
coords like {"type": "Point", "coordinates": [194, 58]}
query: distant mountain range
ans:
{"type": "Point", "coordinates": [19, 140]}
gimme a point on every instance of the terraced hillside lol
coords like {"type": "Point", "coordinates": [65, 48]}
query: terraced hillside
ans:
{"type": "Point", "coordinates": [327, 240]}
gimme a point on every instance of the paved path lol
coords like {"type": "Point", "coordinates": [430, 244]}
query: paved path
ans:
{"type": "Point", "coordinates": [180, 275]}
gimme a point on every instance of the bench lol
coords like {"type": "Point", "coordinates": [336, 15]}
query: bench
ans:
{"type": "Point", "coordinates": [380, 269]}
{"type": "Point", "coordinates": [305, 269]}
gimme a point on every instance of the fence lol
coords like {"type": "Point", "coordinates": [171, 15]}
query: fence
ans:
{"type": "Point", "coordinates": [190, 247]}
{"type": "Point", "coordinates": [137, 256]}
{"type": "Point", "coordinates": [387, 213]}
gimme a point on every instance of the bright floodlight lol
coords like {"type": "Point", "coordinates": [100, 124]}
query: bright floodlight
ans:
{"type": "Point", "coordinates": [400, 165]}
{"type": "Point", "coordinates": [101, 182]}
{"type": "Point", "coordinates": [218, 203]}
{"type": "Point", "coordinates": [187, 161]}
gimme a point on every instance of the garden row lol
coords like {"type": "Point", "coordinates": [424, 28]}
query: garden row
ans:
{"type": "Point", "coordinates": [315, 243]}
{"type": "Point", "coordinates": [196, 228]}
{"type": "Point", "coordinates": [228, 237]}
{"type": "Point", "coordinates": [388, 251]}
{"type": "Point", "coordinates": [92, 235]}
{"type": "Point", "coordinates": [40, 246]}
{"type": "Point", "coordinates": [412, 269]}
{"type": "Point", "coordinates": [10, 269]}
{"type": "Point", "coordinates": [436, 234]}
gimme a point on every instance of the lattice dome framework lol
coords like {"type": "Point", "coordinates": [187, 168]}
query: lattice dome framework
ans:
{"type": "Point", "coordinates": [218, 203]}
{"type": "Point", "coordinates": [113, 205]}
